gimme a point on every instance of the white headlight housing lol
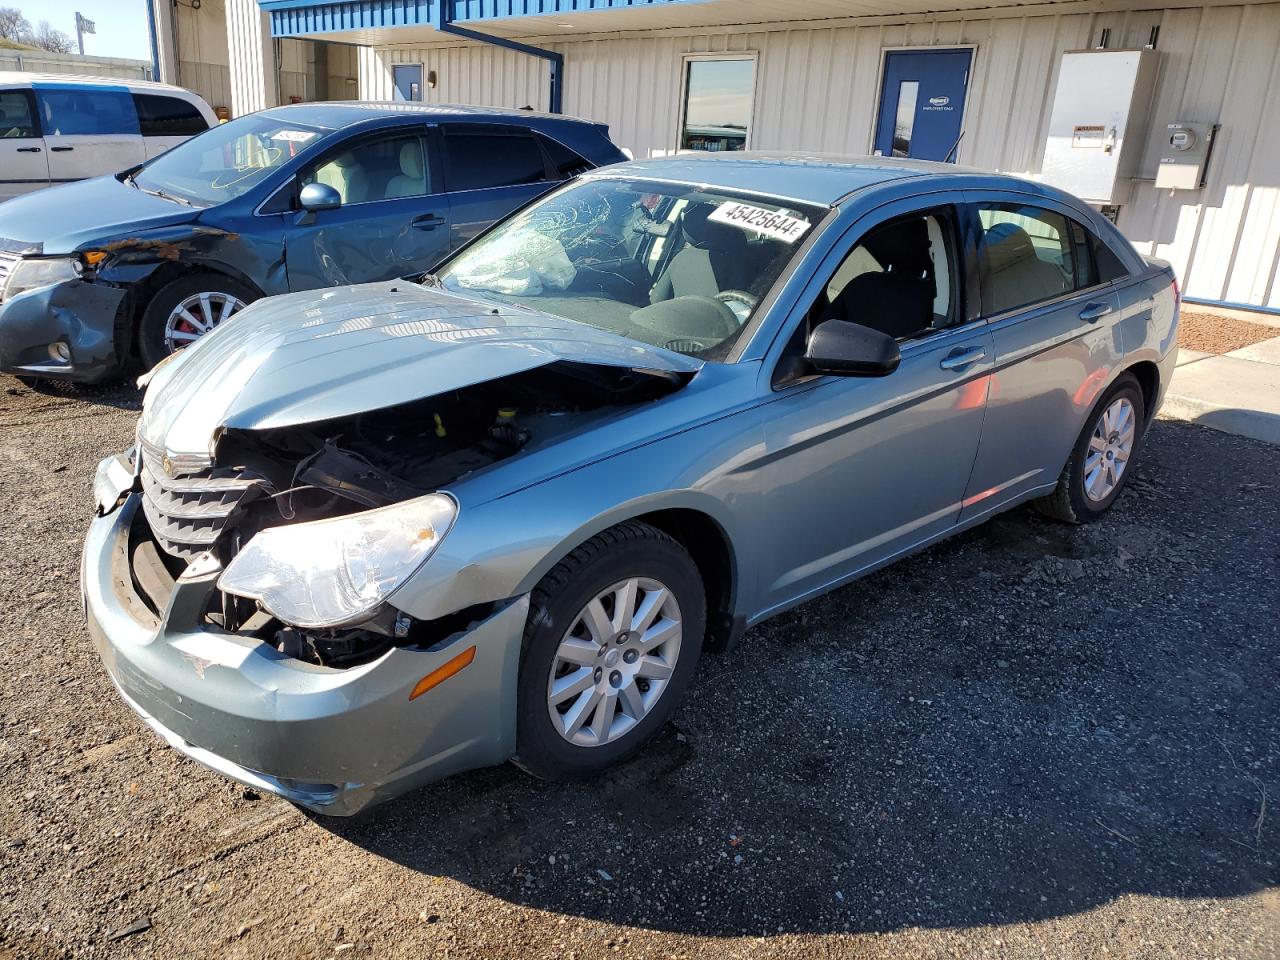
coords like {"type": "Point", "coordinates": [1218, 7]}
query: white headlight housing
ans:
{"type": "Point", "coordinates": [32, 273]}
{"type": "Point", "coordinates": [332, 573]}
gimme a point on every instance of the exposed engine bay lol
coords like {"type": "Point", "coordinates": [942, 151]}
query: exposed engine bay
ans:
{"type": "Point", "coordinates": [267, 478]}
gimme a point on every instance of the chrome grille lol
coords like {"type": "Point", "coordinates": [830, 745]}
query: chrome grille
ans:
{"type": "Point", "coordinates": [7, 262]}
{"type": "Point", "coordinates": [189, 509]}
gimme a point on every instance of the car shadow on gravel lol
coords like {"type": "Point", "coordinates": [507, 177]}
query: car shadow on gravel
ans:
{"type": "Point", "coordinates": [1024, 722]}
{"type": "Point", "coordinates": [121, 394]}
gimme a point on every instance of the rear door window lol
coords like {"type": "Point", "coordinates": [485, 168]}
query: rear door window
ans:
{"type": "Point", "coordinates": [17, 118]}
{"type": "Point", "coordinates": [1026, 255]}
{"type": "Point", "coordinates": [476, 159]}
{"type": "Point", "coordinates": [1109, 266]}
{"type": "Point", "coordinates": [565, 162]}
{"type": "Point", "coordinates": [161, 116]}
{"type": "Point", "coordinates": [75, 111]}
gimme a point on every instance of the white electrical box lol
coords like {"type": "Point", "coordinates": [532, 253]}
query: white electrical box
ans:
{"type": "Point", "coordinates": [1099, 121]}
{"type": "Point", "coordinates": [1184, 154]}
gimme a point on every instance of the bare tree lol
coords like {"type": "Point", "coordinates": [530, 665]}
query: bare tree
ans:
{"type": "Point", "coordinates": [13, 25]}
{"type": "Point", "coordinates": [47, 38]}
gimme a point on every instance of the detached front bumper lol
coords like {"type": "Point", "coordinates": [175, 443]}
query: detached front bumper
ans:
{"type": "Point", "coordinates": [333, 741]}
{"type": "Point", "coordinates": [79, 314]}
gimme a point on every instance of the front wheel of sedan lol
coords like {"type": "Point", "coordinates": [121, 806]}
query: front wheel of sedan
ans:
{"type": "Point", "coordinates": [613, 638]}
{"type": "Point", "coordinates": [1102, 459]}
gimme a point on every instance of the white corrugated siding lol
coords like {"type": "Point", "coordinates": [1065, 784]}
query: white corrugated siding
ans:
{"type": "Point", "coordinates": [253, 69]}
{"type": "Point", "coordinates": [41, 61]}
{"type": "Point", "coordinates": [816, 89]}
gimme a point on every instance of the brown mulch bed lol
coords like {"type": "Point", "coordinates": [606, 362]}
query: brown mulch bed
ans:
{"type": "Point", "coordinates": [1214, 333]}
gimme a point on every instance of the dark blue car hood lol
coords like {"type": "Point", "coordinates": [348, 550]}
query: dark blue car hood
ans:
{"type": "Point", "coordinates": [73, 216]}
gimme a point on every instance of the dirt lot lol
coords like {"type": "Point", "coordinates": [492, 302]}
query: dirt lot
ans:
{"type": "Point", "coordinates": [1217, 334]}
{"type": "Point", "coordinates": [1032, 740]}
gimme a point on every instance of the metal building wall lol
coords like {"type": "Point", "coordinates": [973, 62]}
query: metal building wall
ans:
{"type": "Point", "coordinates": [817, 90]}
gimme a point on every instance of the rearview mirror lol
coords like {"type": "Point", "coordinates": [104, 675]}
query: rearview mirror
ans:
{"type": "Point", "coordinates": [319, 196]}
{"type": "Point", "coordinates": [851, 350]}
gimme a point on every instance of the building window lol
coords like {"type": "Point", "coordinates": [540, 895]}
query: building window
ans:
{"type": "Point", "coordinates": [718, 96]}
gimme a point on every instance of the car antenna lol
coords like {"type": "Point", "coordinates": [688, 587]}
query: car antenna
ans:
{"type": "Point", "coordinates": [954, 147]}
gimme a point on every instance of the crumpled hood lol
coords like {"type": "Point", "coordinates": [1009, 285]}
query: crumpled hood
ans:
{"type": "Point", "coordinates": [307, 357]}
{"type": "Point", "coordinates": [65, 218]}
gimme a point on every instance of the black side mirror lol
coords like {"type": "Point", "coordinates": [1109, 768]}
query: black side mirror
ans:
{"type": "Point", "coordinates": [851, 350]}
{"type": "Point", "coordinates": [319, 196]}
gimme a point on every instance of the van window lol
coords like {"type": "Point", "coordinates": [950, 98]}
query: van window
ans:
{"type": "Point", "coordinates": [16, 119]}
{"type": "Point", "coordinates": [160, 116]}
{"type": "Point", "coordinates": [74, 111]}
{"type": "Point", "coordinates": [480, 159]}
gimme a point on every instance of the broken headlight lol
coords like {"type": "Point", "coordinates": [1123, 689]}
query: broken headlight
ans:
{"type": "Point", "coordinates": [330, 573]}
{"type": "Point", "coordinates": [32, 273]}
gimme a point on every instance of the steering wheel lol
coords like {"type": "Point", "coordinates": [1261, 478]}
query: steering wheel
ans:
{"type": "Point", "coordinates": [739, 301]}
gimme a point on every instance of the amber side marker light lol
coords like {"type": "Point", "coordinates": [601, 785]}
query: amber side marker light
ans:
{"type": "Point", "coordinates": [442, 673]}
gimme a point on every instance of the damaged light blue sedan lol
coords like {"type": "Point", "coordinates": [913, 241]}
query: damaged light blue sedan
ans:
{"type": "Point", "coordinates": [372, 536]}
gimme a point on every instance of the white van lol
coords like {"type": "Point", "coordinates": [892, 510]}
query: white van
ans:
{"type": "Point", "coordinates": [55, 129]}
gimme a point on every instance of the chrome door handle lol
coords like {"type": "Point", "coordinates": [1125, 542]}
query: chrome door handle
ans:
{"type": "Point", "coordinates": [1093, 312]}
{"type": "Point", "coordinates": [962, 358]}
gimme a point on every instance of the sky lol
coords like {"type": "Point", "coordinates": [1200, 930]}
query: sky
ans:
{"type": "Point", "coordinates": [122, 24]}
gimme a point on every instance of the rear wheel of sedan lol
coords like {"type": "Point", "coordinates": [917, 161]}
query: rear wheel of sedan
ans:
{"type": "Point", "coordinates": [1102, 458]}
{"type": "Point", "coordinates": [187, 309]}
{"type": "Point", "coordinates": [612, 641]}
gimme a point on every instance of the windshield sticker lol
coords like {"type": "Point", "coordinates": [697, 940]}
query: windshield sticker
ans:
{"type": "Point", "coordinates": [293, 136]}
{"type": "Point", "coordinates": [770, 223]}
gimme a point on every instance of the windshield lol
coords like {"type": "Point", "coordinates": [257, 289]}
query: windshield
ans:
{"type": "Point", "coordinates": [228, 160]}
{"type": "Point", "coordinates": [678, 266]}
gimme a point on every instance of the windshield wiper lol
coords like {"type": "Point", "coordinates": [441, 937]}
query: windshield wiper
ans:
{"type": "Point", "coordinates": [157, 193]}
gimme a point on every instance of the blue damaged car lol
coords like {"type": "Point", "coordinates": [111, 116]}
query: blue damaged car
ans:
{"type": "Point", "coordinates": [96, 274]}
{"type": "Point", "coordinates": [375, 535]}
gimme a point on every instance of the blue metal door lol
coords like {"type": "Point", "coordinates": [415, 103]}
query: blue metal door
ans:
{"type": "Point", "coordinates": [408, 81]}
{"type": "Point", "coordinates": [922, 103]}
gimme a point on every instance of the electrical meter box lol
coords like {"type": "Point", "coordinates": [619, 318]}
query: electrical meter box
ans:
{"type": "Point", "coordinates": [1099, 121]}
{"type": "Point", "coordinates": [1184, 154]}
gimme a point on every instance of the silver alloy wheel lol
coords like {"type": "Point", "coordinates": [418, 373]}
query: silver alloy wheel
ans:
{"type": "Point", "coordinates": [196, 316]}
{"type": "Point", "coordinates": [1110, 445]}
{"type": "Point", "coordinates": [614, 662]}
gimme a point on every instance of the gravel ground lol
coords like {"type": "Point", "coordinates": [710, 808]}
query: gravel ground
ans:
{"type": "Point", "coordinates": [1217, 334]}
{"type": "Point", "coordinates": [1032, 740]}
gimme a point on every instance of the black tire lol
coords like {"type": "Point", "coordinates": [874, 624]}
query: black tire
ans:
{"type": "Point", "coordinates": [631, 549]}
{"type": "Point", "coordinates": [151, 345]}
{"type": "Point", "coordinates": [1069, 502]}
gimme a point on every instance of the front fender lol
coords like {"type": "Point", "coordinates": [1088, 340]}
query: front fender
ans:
{"type": "Point", "coordinates": [502, 548]}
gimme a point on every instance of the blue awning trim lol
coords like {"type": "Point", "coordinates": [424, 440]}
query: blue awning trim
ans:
{"type": "Point", "coordinates": [293, 18]}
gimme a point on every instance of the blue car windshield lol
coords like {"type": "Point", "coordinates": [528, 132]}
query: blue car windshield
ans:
{"type": "Point", "coordinates": [679, 266]}
{"type": "Point", "coordinates": [228, 160]}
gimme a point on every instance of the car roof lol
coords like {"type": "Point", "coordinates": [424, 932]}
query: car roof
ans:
{"type": "Point", "coordinates": [809, 177]}
{"type": "Point", "coordinates": [16, 79]}
{"type": "Point", "coordinates": [337, 114]}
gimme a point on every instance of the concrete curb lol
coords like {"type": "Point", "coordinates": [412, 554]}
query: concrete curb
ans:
{"type": "Point", "coordinates": [1243, 423]}
{"type": "Point", "coordinates": [1235, 393]}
